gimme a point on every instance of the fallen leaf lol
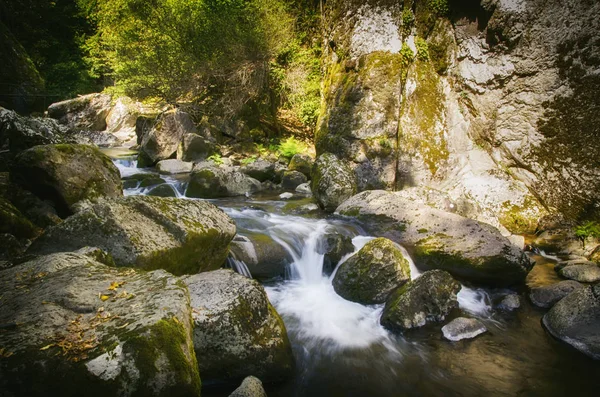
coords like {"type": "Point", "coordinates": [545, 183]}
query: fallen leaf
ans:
{"type": "Point", "coordinates": [104, 298]}
{"type": "Point", "coordinates": [48, 346]}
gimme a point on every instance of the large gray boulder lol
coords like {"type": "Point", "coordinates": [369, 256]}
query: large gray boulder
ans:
{"type": "Point", "coordinates": [87, 112]}
{"type": "Point", "coordinates": [333, 182]}
{"type": "Point", "coordinates": [66, 174]}
{"type": "Point", "coordinates": [302, 163]}
{"type": "Point", "coordinates": [584, 273]}
{"type": "Point", "coordinates": [194, 147]}
{"type": "Point", "coordinates": [264, 257]}
{"type": "Point", "coordinates": [466, 248]}
{"type": "Point", "coordinates": [236, 330]}
{"type": "Point", "coordinates": [429, 298]}
{"type": "Point", "coordinates": [162, 140]}
{"type": "Point", "coordinates": [213, 182]}
{"type": "Point", "coordinates": [370, 275]}
{"type": "Point", "coordinates": [261, 170]}
{"type": "Point", "coordinates": [292, 179]}
{"type": "Point", "coordinates": [174, 166]}
{"type": "Point", "coordinates": [548, 295]}
{"type": "Point", "coordinates": [71, 323]}
{"type": "Point", "coordinates": [576, 320]}
{"type": "Point", "coordinates": [181, 236]}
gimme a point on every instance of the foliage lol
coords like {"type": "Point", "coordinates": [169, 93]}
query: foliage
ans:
{"type": "Point", "coordinates": [408, 19]}
{"type": "Point", "coordinates": [216, 158]}
{"type": "Point", "coordinates": [422, 49]}
{"type": "Point", "coordinates": [587, 230]}
{"type": "Point", "coordinates": [439, 7]}
{"type": "Point", "coordinates": [248, 160]}
{"type": "Point", "coordinates": [290, 147]}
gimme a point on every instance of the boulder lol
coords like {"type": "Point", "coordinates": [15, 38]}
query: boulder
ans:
{"type": "Point", "coordinates": [107, 331]}
{"type": "Point", "coordinates": [236, 330]}
{"type": "Point", "coordinates": [302, 163]}
{"type": "Point", "coordinates": [250, 387]}
{"type": "Point", "coordinates": [576, 320]}
{"type": "Point", "coordinates": [548, 295]}
{"type": "Point", "coordinates": [463, 328]}
{"type": "Point", "coordinates": [174, 167]}
{"type": "Point", "coordinates": [585, 273]}
{"type": "Point", "coordinates": [180, 236]}
{"type": "Point", "coordinates": [304, 188]}
{"type": "Point", "coordinates": [595, 255]}
{"type": "Point", "coordinates": [292, 179]}
{"type": "Point", "coordinates": [122, 118]}
{"type": "Point", "coordinates": [213, 182]}
{"type": "Point", "coordinates": [261, 170]}
{"type": "Point", "coordinates": [10, 247]}
{"type": "Point", "coordinates": [262, 255]}
{"type": "Point", "coordinates": [333, 182]}
{"type": "Point", "coordinates": [65, 174]}
{"type": "Point", "coordinates": [427, 299]}
{"type": "Point", "coordinates": [333, 248]}
{"type": "Point", "coordinates": [510, 302]}
{"type": "Point", "coordinates": [466, 248]}
{"type": "Point", "coordinates": [164, 190]}
{"type": "Point", "coordinates": [194, 147]}
{"type": "Point", "coordinates": [87, 112]}
{"type": "Point", "coordinates": [162, 140]}
{"type": "Point", "coordinates": [12, 221]}
{"type": "Point", "coordinates": [370, 275]}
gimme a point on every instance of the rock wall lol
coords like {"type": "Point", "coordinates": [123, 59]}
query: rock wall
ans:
{"type": "Point", "coordinates": [489, 103]}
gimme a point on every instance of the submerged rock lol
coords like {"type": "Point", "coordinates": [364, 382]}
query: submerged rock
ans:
{"type": "Point", "coordinates": [427, 299]}
{"type": "Point", "coordinates": [370, 275]}
{"type": "Point", "coordinates": [65, 174]}
{"type": "Point", "coordinates": [466, 248]}
{"type": "Point", "coordinates": [162, 140]}
{"type": "Point", "coordinates": [302, 163]}
{"type": "Point", "coordinates": [87, 112]}
{"type": "Point", "coordinates": [213, 182]}
{"type": "Point", "coordinates": [576, 320]}
{"type": "Point", "coordinates": [107, 331]}
{"type": "Point", "coordinates": [236, 330]}
{"type": "Point", "coordinates": [510, 302]}
{"type": "Point", "coordinates": [463, 328]}
{"type": "Point", "coordinates": [250, 387]}
{"type": "Point", "coordinates": [584, 273]}
{"type": "Point", "coordinates": [292, 179]}
{"type": "Point", "coordinates": [333, 182]}
{"type": "Point", "coordinates": [548, 295]}
{"type": "Point", "coordinates": [174, 167]}
{"type": "Point", "coordinates": [181, 236]}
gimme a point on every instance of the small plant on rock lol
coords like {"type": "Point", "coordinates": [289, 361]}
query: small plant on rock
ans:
{"type": "Point", "coordinates": [422, 49]}
{"type": "Point", "coordinates": [291, 147]}
{"type": "Point", "coordinates": [587, 230]}
{"type": "Point", "coordinates": [216, 158]}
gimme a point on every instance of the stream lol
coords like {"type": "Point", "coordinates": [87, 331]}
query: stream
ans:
{"type": "Point", "coordinates": [342, 350]}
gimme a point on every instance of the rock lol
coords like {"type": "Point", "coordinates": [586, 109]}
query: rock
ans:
{"type": "Point", "coordinates": [87, 112]}
{"type": "Point", "coordinates": [463, 328]}
{"type": "Point", "coordinates": [264, 257]}
{"type": "Point", "coordinates": [333, 182]}
{"type": "Point", "coordinates": [213, 182]}
{"type": "Point", "coordinates": [302, 163]}
{"type": "Point", "coordinates": [581, 273]}
{"type": "Point", "coordinates": [303, 206]}
{"type": "Point", "coordinates": [576, 319]}
{"type": "Point", "coordinates": [292, 179]}
{"type": "Point", "coordinates": [194, 147]}
{"type": "Point", "coordinates": [548, 295]}
{"type": "Point", "coordinates": [124, 333]}
{"type": "Point", "coordinates": [20, 133]}
{"type": "Point", "coordinates": [572, 262]}
{"type": "Point", "coordinates": [510, 302]}
{"type": "Point", "coordinates": [333, 248]}
{"type": "Point", "coordinates": [66, 174]}
{"type": "Point", "coordinates": [122, 118]}
{"type": "Point", "coordinates": [304, 188]}
{"type": "Point", "coordinates": [164, 190]}
{"type": "Point", "coordinates": [427, 299]}
{"type": "Point", "coordinates": [260, 170]}
{"type": "Point", "coordinates": [162, 140]}
{"type": "Point", "coordinates": [466, 248]}
{"type": "Point", "coordinates": [595, 255]}
{"type": "Point", "coordinates": [250, 387]}
{"type": "Point", "coordinates": [10, 247]}
{"type": "Point", "coordinates": [370, 275]}
{"type": "Point", "coordinates": [286, 196]}
{"type": "Point", "coordinates": [180, 236]}
{"type": "Point", "coordinates": [236, 330]}
{"type": "Point", "coordinates": [13, 222]}
{"type": "Point", "coordinates": [174, 167]}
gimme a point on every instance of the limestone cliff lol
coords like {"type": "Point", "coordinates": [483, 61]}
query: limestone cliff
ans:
{"type": "Point", "coordinates": [491, 103]}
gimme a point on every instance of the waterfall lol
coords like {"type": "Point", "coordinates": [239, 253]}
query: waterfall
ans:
{"type": "Point", "coordinates": [238, 266]}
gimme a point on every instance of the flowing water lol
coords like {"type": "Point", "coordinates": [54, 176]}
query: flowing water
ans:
{"type": "Point", "coordinates": [341, 350]}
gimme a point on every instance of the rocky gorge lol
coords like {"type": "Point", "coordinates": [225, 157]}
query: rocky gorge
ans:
{"type": "Point", "coordinates": [438, 239]}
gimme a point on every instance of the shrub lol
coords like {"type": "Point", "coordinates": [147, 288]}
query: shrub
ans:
{"type": "Point", "coordinates": [587, 230]}
{"type": "Point", "coordinates": [439, 7]}
{"type": "Point", "coordinates": [216, 158]}
{"type": "Point", "coordinates": [422, 49]}
{"type": "Point", "coordinates": [291, 147]}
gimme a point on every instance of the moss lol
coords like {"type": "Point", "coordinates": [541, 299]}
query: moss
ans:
{"type": "Point", "coordinates": [520, 219]}
{"type": "Point", "coordinates": [12, 221]}
{"type": "Point", "coordinates": [168, 337]}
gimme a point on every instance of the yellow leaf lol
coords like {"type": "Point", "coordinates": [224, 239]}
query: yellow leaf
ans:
{"type": "Point", "coordinates": [47, 346]}
{"type": "Point", "coordinates": [114, 285]}
{"type": "Point", "coordinates": [104, 297]}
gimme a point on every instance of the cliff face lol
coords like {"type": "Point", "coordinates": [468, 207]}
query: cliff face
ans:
{"type": "Point", "coordinates": [494, 104]}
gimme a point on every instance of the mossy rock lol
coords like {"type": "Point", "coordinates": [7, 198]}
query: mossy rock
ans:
{"type": "Point", "coordinates": [213, 182]}
{"type": "Point", "coordinates": [429, 298]}
{"type": "Point", "coordinates": [333, 182]}
{"type": "Point", "coordinates": [164, 190]}
{"type": "Point", "coordinates": [292, 179]}
{"type": "Point", "coordinates": [66, 174]}
{"type": "Point", "coordinates": [181, 236]}
{"type": "Point", "coordinates": [87, 112]}
{"type": "Point", "coordinates": [371, 274]}
{"type": "Point", "coordinates": [302, 163]}
{"type": "Point", "coordinates": [108, 331]}
{"type": "Point", "coordinates": [237, 332]}
{"type": "Point", "coordinates": [12, 221]}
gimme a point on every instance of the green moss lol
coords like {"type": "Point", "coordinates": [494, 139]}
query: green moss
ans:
{"type": "Point", "coordinates": [12, 221]}
{"type": "Point", "coordinates": [520, 219]}
{"type": "Point", "coordinates": [421, 231]}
